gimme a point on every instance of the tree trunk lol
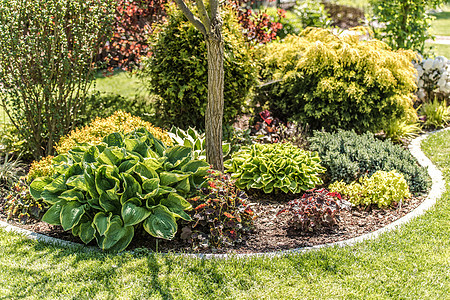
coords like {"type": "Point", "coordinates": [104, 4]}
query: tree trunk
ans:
{"type": "Point", "coordinates": [214, 109]}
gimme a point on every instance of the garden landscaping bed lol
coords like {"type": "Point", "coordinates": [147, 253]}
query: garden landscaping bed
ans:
{"type": "Point", "coordinates": [270, 233]}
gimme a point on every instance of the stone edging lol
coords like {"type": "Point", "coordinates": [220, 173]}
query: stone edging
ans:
{"type": "Point", "coordinates": [437, 188]}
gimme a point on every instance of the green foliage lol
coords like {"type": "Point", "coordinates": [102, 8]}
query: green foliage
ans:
{"type": "Point", "coordinates": [338, 81]}
{"type": "Point", "coordinates": [311, 13]}
{"type": "Point", "coordinates": [437, 114]}
{"type": "Point", "coordinates": [348, 156]}
{"type": "Point", "coordinates": [104, 191]}
{"type": "Point", "coordinates": [46, 63]}
{"type": "Point", "coordinates": [315, 210]}
{"type": "Point", "coordinates": [399, 131]}
{"type": "Point", "coordinates": [275, 167]}
{"type": "Point", "coordinates": [10, 170]}
{"type": "Point", "coordinates": [21, 205]}
{"type": "Point", "coordinates": [382, 188]}
{"type": "Point", "coordinates": [220, 217]}
{"type": "Point", "coordinates": [12, 142]}
{"type": "Point", "coordinates": [196, 141]}
{"type": "Point", "coordinates": [404, 23]}
{"type": "Point", "coordinates": [177, 71]}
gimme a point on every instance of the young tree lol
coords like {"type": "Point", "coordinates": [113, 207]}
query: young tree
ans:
{"type": "Point", "coordinates": [209, 23]}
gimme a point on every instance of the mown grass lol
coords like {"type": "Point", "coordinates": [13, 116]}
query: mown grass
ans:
{"type": "Point", "coordinates": [120, 83]}
{"type": "Point", "coordinates": [410, 263]}
{"type": "Point", "coordinates": [441, 25]}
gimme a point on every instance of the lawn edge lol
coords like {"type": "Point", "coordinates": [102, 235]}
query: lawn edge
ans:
{"type": "Point", "coordinates": [436, 191]}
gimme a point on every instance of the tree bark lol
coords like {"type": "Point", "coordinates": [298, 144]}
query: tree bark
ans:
{"type": "Point", "coordinates": [214, 109]}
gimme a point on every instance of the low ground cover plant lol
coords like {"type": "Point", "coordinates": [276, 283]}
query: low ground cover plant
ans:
{"type": "Point", "coordinates": [220, 216]}
{"type": "Point", "coordinates": [275, 167]}
{"type": "Point", "coordinates": [382, 189]}
{"type": "Point", "coordinates": [338, 81]}
{"type": "Point", "coordinates": [315, 210]}
{"type": "Point", "coordinates": [436, 113]}
{"type": "Point", "coordinates": [348, 156]}
{"type": "Point", "coordinates": [102, 192]}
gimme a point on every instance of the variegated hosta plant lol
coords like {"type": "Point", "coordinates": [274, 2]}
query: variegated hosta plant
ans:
{"type": "Point", "coordinates": [104, 191]}
{"type": "Point", "coordinates": [272, 167]}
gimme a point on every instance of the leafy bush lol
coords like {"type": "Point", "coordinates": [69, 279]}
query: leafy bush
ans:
{"type": "Point", "coordinates": [12, 142]}
{"type": "Point", "coordinates": [348, 156]}
{"type": "Point", "coordinates": [315, 210]}
{"type": "Point", "coordinates": [48, 48]}
{"type": "Point", "coordinates": [437, 114]}
{"type": "Point", "coordinates": [21, 205]}
{"type": "Point", "coordinates": [311, 13]}
{"type": "Point", "coordinates": [220, 216]}
{"type": "Point", "coordinates": [94, 132]}
{"type": "Point", "coordinates": [177, 72]}
{"type": "Point", "coordinates": [40, 168]}
{"type": "Point", "coordinates": [400, 131]}
{"type": "Point", "coordinates": [104, 191]}
{"type": "Point", "coordinates": [193, 139]}
{"type": "Point", "coordinates": [275, 167]}
{"type": "Point", "coordinates": [338, 81]}
{"type": "Point", "coordinates": [382, 188]}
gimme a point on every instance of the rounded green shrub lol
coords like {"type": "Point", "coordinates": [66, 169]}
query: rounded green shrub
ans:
{"type": "Point", "coordinates": [177, 71]}
{"type": "Point", "coordinates": [349, 156]}
{"type": "Point", "coordinates": [338, 81]}
{"type": "Point", "coordinates": [382, 188]}
{"type": "Point", "coordinates": [275, 167]}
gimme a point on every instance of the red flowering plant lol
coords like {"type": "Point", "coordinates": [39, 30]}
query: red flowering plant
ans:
{"type": "Point", "coordinates": [221, 216]}
{"type": "Point", "coordinates": [317, 209]}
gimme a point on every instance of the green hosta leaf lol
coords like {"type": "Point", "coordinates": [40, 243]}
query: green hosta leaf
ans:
{"type": "Point", "coordinates": [147, 170]}
{"type": "Point", "coordinates": [86, 232]}
{"type": "Point", "coordinates": [101, 222]}
{"type": "Point", "coordinates": [177, 204]}
{"type": "Point", "coordinates": [131, 188]}
{"type": "Point", "coordinates": [71, 214]}
{"type": "Point", "coordinates": [89, 179]}
{"type": "Point", "coordinates": [226, 149]}
{"type": "Point", "coordinates": [133, 213]}
{"type": "Point", "coordinates": [53, 214]}
{"type": "Point", "coordinates": [77, 182]}
{"type": "Point", "coordinates": [161, 223]}
{"type": "Point", "coordinates": [128, 164]}
{"type": "Point", "coordinates": [177, 155]}
{"type": "Point", "coordinates": [109, 204]}
{"type": "Point", "coordinates": [50, 198]}
{"type": "Point", "coordinates": [151, 187]}
{"type": "Point", "coordinates": [118, 236]}
{"type": "Point", "coordinates": [111, 156]}
{"type": "Point", "coordinates": [72, 195]}
{"type": "Point", "coordinates": [106, 179]}
{"type": "Point", "coordinates": [38, 185]}
{"type": "Point", "coordinates": [114, 139]}
{"type": "Point", "coordinates": [183, 186]}
{"type": "Point", "coordinates": [73, 170]}
{"type": "Point", "coordinates": [91, 155]}
{"type": "Point", "coordinates": [57, 185]}
{"type": "Point", "coordinates": [62, 158]}
{"type": "Point", "coordinates": [171, 178]}
{"type": "Point", "coordinates": [94, 203]}
{"type": "Point", "coordinates": [77, 153]}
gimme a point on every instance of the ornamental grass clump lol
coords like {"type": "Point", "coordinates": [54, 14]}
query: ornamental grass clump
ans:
{"type": "Point", "coordinates": [104, 191]}
{"type": "Point", "coordinates": [335, 81]}
{"type": "Point", "coordinates": [275, 167]}
{"type": "Point", "coordinates": [382, 189]}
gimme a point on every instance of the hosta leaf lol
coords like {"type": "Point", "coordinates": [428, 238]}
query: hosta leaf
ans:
{"type": "Point", "coordinates": [94, 203]}
{"type": "Point", "coordinates": [86, 232]}
{"type": "Point", "coordinates": [71, 214]}
{"type": "Point", "coordinates": [177, 154]}
{"type": "Point", "coordinates": [38, 185]}
{"type": "Point", "coordinates": [114, 139]}
{"type": "Point", "coordinates": [57, 185]}
{"type": "Point", "coordinates": [62, 158]}
{"type": "Point", "coordinates": [177, 204]}
{"type": "Point", "coordinates": [183, 186]}
{"type": "Point", "coordinates": [75, 169]}
{"type": "Point", "coordinates": [168, 178]}
{"type": "Point", "coordinates": [89, 179]}
{"type": "Point", "coordinates": [133, 213]}
{"type": "Point", "coordinates": [130, 186]}
{"type": "Point", "coordinates": [197, 167]}
{"type": "Point", "coordinates": [105, 179]}
{"type": "Point", "coordinates": [161, 223]}
{"type": "Point", "coordinates": [50, 198]}
{"type": "Point", "coordinates": [115, 233]}
{"type": "Point", "coordinates": [72, 195]}
{"type": "Point", "coordinates": [52, 216]}
{"type": "Point", "coordinates": [151, 187]}
{"type": "Point", "coordinates": [77, 182]}
{"type": "Point", "coordinates": [127, 165]}
{"type": "Point", "coordinates": [101, 222]}
{"type": "Point", "coordinates": [146, 170]}
{"type": "Point", "coordinates": [77, 153]}
{"type": "Point", "coordinates": [111, 156]}
{"type": "Point", "coordinates": [91, 155]}
{"type": "Point", "coordinates": [108, 204]}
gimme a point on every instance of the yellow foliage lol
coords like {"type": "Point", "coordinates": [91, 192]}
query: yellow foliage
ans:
{"type": "Point", "coordinates": [40, 168]}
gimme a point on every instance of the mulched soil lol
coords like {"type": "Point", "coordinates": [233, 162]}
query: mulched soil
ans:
{"type": "Point", "coordinates": [270, 233]}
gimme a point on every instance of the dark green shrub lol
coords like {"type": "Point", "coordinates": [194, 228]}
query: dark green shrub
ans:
{"type": "Point", "coordinates": [275, 167]}
{"type": "Point", "coordinates": [102, 192]}
{"type": "Point", "coordinates": [349, 156]}
{"type": "Point", "coordinates": [220, 216]}
{"type": "Point", "coordinates": [338, 81]}
{"type": "Point", "coordinates": [177, 72]}
{"type": "Point", "coordinates": [48, 49]}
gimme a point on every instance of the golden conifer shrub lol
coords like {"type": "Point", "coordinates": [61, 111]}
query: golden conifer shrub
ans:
{"type": "Point", "coordinates": [346, 80]}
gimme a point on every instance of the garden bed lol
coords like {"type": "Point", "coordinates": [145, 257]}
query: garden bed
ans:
{"type": "Point", "coordinates": [270, 233]}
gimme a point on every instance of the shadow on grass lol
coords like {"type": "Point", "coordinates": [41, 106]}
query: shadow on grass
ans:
{"type": "Point", "coordinates": [445, 15]}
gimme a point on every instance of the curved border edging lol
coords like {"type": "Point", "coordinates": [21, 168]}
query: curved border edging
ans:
{"type": "Point", "coordinates": [437, 189]}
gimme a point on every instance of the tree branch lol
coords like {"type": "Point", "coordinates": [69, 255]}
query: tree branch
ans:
{"type": "Point", "coordinates": [214, 7]}
{"type": "Point", "coordinates": [203, 14]}
{"type": "Point", "coordinates": [190, 16]}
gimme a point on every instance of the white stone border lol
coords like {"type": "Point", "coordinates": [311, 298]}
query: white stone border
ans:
{"type": "Point", "coordinates": [437, 188]}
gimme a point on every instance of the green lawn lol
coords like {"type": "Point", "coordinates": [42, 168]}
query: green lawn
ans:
{"type": "Point", "coordinates": [441, 25]}
{"type": "Point", "coordinates": [121, 83]}
{"type": "Point", "coordinates": [440, 49]}
{"type": "Point", "coordinates": [410, 263]}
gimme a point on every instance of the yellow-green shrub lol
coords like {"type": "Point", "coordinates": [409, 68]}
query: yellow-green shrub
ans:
{"type": "Point", "coordinates": [382, 188]}
{"type": "Point", "coordinates": [338, 81]}
{"type": "Point", "coordinates": [93, 134]}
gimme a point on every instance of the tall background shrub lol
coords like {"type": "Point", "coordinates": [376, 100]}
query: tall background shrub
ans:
{"type": "Point", "coordinates": [46, 63]}
{"type": "Point", "coordinates": [177, 71]}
